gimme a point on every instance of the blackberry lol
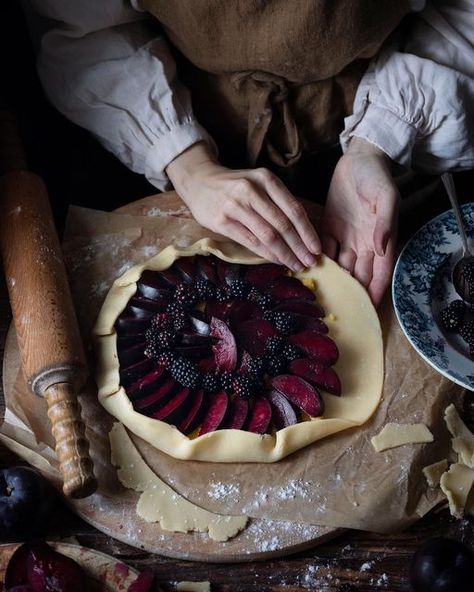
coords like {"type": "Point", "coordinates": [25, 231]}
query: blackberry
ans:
{"type": "Point", "coordinates": [222, 295]}
{"type": "Point", "coordinates": [256, 368]}
{"type": "Point", "coordinates": [174, 308]}
{"type": "Point", "coordinates": [227, 379]}
{"type": "Point", "coordinates": [467, 273]}
{"type": "Point", "coordinates": [178, 315]}
{"type": "Point", "coordinates": [284, 322]}
{"type": "Point", "coordinates": [265, 301]}
{"type": "Point", "coordinates": [276, 365]}
{"type": "Point", "coordinates": [161, 321]}
{"type": "Point", "coordinates": [291, 352]}
{"type": "Point", "coordinates": [274, 345]}
{"type": "Point", "coordinates": [205, 289]}
{"type": "Point", "coordinates": [210, 383]}
{"type": "Point", "coordinates": [254, 294]}
{"type": "Point", "coordinates": [157, 342]}
{"type": "Point", "coordinates": [185, 295]}
{"type": "Point", "coordinates": [239, 289]}
{"type": "Point", "coordinates": [467, 333]}
{"type": "Point", "coordinates": [185, 372]}
{"type": "Point", "coordinates": [452, 316]}
{"type": "Point", "coordinates": [243, 386]}
{"type": "Point", "coordinates": [165, 359]}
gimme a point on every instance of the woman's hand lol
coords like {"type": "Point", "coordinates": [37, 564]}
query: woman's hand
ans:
{"type": "Point", "coordinates": [360, 217]}
{"type": "Point", "coordinates": [252, 207]}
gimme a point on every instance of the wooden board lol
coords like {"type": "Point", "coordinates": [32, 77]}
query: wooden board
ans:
{"type": "Point", "coordinates": [112, 509]}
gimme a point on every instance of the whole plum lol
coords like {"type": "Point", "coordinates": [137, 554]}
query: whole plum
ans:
{"type": "Point", "coordinates": [26, 499]}
{"type": "Point", "coordinates": [442, 565]}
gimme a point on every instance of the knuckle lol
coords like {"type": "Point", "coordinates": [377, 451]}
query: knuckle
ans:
{"type": "Point", "coordinates": [242, 187]}
{"type": "Point", "coordinates": [265, 174]}
{"type": "Point", "coordinates": [297, 210]}
{"type": "Point", "coordinates": [268, 235]}
{"type": "Point", "coordinates": [283, 225]}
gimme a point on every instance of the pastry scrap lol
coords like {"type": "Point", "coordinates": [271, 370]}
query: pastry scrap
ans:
{"type": "Point", "coordinates": [193, 586]}
{"type": "Point", "coordinates": [433, 472]}
{"type": "Point", "coordinates": [456, 484]}
{"type": "Point", "coordinates": [463, 438]}
{"type": "Point", "coordinates": [210, 345]}
{"type": "Point", "coordinates": [158, 502]}
{"type": "Point", "coordinates": [395, 434]}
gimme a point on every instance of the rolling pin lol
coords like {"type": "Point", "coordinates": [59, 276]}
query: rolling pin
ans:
{"type": "Point", "coordinates": [48, 336]}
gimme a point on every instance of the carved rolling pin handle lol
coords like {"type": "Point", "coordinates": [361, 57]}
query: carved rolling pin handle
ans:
{"type": "Point", "coordinates": [48, 336]}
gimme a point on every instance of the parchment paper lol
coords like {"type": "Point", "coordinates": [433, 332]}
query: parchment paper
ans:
{"type": "Point", "coordinates": [340, 481]}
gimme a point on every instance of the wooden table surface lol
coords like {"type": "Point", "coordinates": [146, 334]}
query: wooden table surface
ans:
{"type": "Point", "coordinates": [368, 561]}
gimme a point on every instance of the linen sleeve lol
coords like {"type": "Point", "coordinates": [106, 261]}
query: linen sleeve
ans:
{"type": "Point", "coordinates": [105, 68]}
{"type": "Point", "coordinates": [416, 100]}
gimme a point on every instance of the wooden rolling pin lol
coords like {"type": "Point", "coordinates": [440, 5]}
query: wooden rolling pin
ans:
{"type": "Point", "coordinates": [48, 336]}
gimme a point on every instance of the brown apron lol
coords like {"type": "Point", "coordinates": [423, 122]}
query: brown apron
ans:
{"type": "Point", "coordinates": [275, 77]}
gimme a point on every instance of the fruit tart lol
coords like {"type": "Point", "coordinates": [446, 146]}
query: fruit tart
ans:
{"type": "Point", "coordinates": [211, 353]}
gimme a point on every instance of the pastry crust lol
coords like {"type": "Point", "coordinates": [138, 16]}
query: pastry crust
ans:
{"type": "Point", "coordinates": [355, 329]}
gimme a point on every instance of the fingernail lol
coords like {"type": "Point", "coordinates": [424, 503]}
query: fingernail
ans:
{"type": "Point", "coordinates": [310, 260]}
{"type": "Point", "coordinates": [315, 248]}
{"type": "Point", "coordinates": [297, 266]}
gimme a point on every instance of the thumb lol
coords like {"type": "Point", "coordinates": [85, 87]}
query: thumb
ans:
{"type": "Point", "coordinates": [386, 220]}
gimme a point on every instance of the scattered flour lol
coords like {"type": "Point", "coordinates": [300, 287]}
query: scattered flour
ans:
{"type": "Point", "coordinates": [222, 491]}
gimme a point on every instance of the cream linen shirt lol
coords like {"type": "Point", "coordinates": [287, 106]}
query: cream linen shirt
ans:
{"type": "Point", "coordinates": [104, 67]}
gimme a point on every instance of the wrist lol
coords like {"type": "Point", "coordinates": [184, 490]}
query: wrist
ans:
{"type": "Point", "coordinates": [363, 147]}
{"type": "Point", "coordinates": [182, 169]}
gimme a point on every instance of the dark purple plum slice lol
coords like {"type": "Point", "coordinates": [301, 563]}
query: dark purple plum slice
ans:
{"type": "Point", "coordinates": [175, 409]}
{"type": "Point", "coordinates": [307, 323]}
{"type": "Point", "coordinates": [244, 311]}
{"type": "Point", "coordinates": [232, 272]}
{"type": "Point", "coordinates": [237, 411]}
{"type": "Point", "coordinates": [157, 397]}
{"type": "Point", "coordinates": [207, 364]}
{"type": "Point", "coordinates": [153, 279]}
{"type": "Point", "coordinates": [130, 374]}
{"type": "Point", "coordinates": [170, 277]}
{"type": "Point", "coordinates": [185, 267]}
{"type": "Point", "coordinates": [306, 367]}
{"type": "Point", "coordinates": [192, 417]}
{"type": "Point", "coordinates": [220, 310]}
{"type": "Point", "coordinates": [146, 384]}
{"type": "Point", "coordinates": [130, 325]}
{"type": "Point", "coordinates": [199, 323]}
{"type": "Point", "coordinates": [156, 293]}
{"type": "Point", "coordinates": [299, 392]}
{"type": "Point", "coordinates": [16, 573]}
{"type": "Point", "coordinates": [304, 307]}
{"type": "Point", "coordinates": [289, 288]}
{"type": "Point", "coordinates": [264, 274]}
{"type": "Point", "coordinates": [260, 416]}
{"type": "Point", "coordinates": [138, 313]}
{"type": "Point", "coordinates": [186, 338]}
{"type": "Point", "coordinates": [132, 354]}
{"type": "Point", "coordinates": [225, 350]}
{"type": "Point", "coordinates": [206, 268]}
{"type": "Point", "coordinates": [129, 339]}
{"type": "Point", "coordinates": [283, 414]}
{"type": "Point", "coordinates": [317, 346]}
{"type": "Point", "coordinates": [328, 381]}
{"type": "Point", "coordinates": [194, 352]}
{"type": "Point", "coordinates": [252, 336]}
{"type": "Point", "coordinates": [215, 412]}
{"type": "Point", "coordinates": [143, 583]}
{"type": "Point", "coordinates": [146, 304]}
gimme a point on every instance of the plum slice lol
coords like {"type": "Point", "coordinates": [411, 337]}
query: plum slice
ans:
{"type": "Point", "coordinates": [146, 384]}
{"type": "Point", "coordinates": [157, 397]}
{"type": "Point", "coordinates": [220, 310]}
{"type": "Point", "coordinates": [147, 304]}
{"type": "Point", "coordinates": [207, 364]}
{"type": "Point", "coordinates": [283, 414]}
{"type": "Point", "coordinates": [299, 392]}
{"type": "Point", "coordinates": [198, 322]}
{"type": "Point", "coordinates": [215, 412]}
{"type": "Point", "coordinates": [225, 350]}
{"type": "Point", "coordinates": [132, 354]}
{"type": "Point", "coordinates": [194, 352]}
{"type": "Point", "coordinates": [306, 323]}
{"type": "Point", "coordinates": [289, 288]}
{"type": "Point", "coordinates": [252, 336]}
{"type": "Point", "coordinates": [236, 415]}
{"type": "Point", "coordinates": [130, 325]}
{"type": "Point", "coordinates": [158, 294]}
{"type": "Point", "coordinates": [138, 312]}
{"type": "Point", "coordinates": [315, 372]}
{"type": "Point", "coordinates": [129, 339]}
{"type": "Point", "coordinates": [260, 416]}
{"type": "Point", "coordinates": [143, 583]}
{"type": "Point", "coordinates": [265, 273]}
{"type": "Point", "coordinates": [243, 311]}
{"type": "Point", "coordinates": [187, 338]}
{"type": "Point", "coordinates": [317, 346]}
{"type": "Point", "coordinates": [130, 374]}
{"type": "Point", "coordinates": [206, 268]}
{"type": "Point", "coordinates": [170, 277]}
{"type": "Point", "coordinates": [174, 410]}
{"type": "Point", "coordinates": [185, 267]}
{"type": "Point", "coordinates": [304, 307]}
{"type": "Point", "coordinates": [191, 419]}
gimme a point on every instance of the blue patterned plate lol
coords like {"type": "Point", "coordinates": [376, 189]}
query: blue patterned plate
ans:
{"type": "Point", "coordinates": [422, 287]}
